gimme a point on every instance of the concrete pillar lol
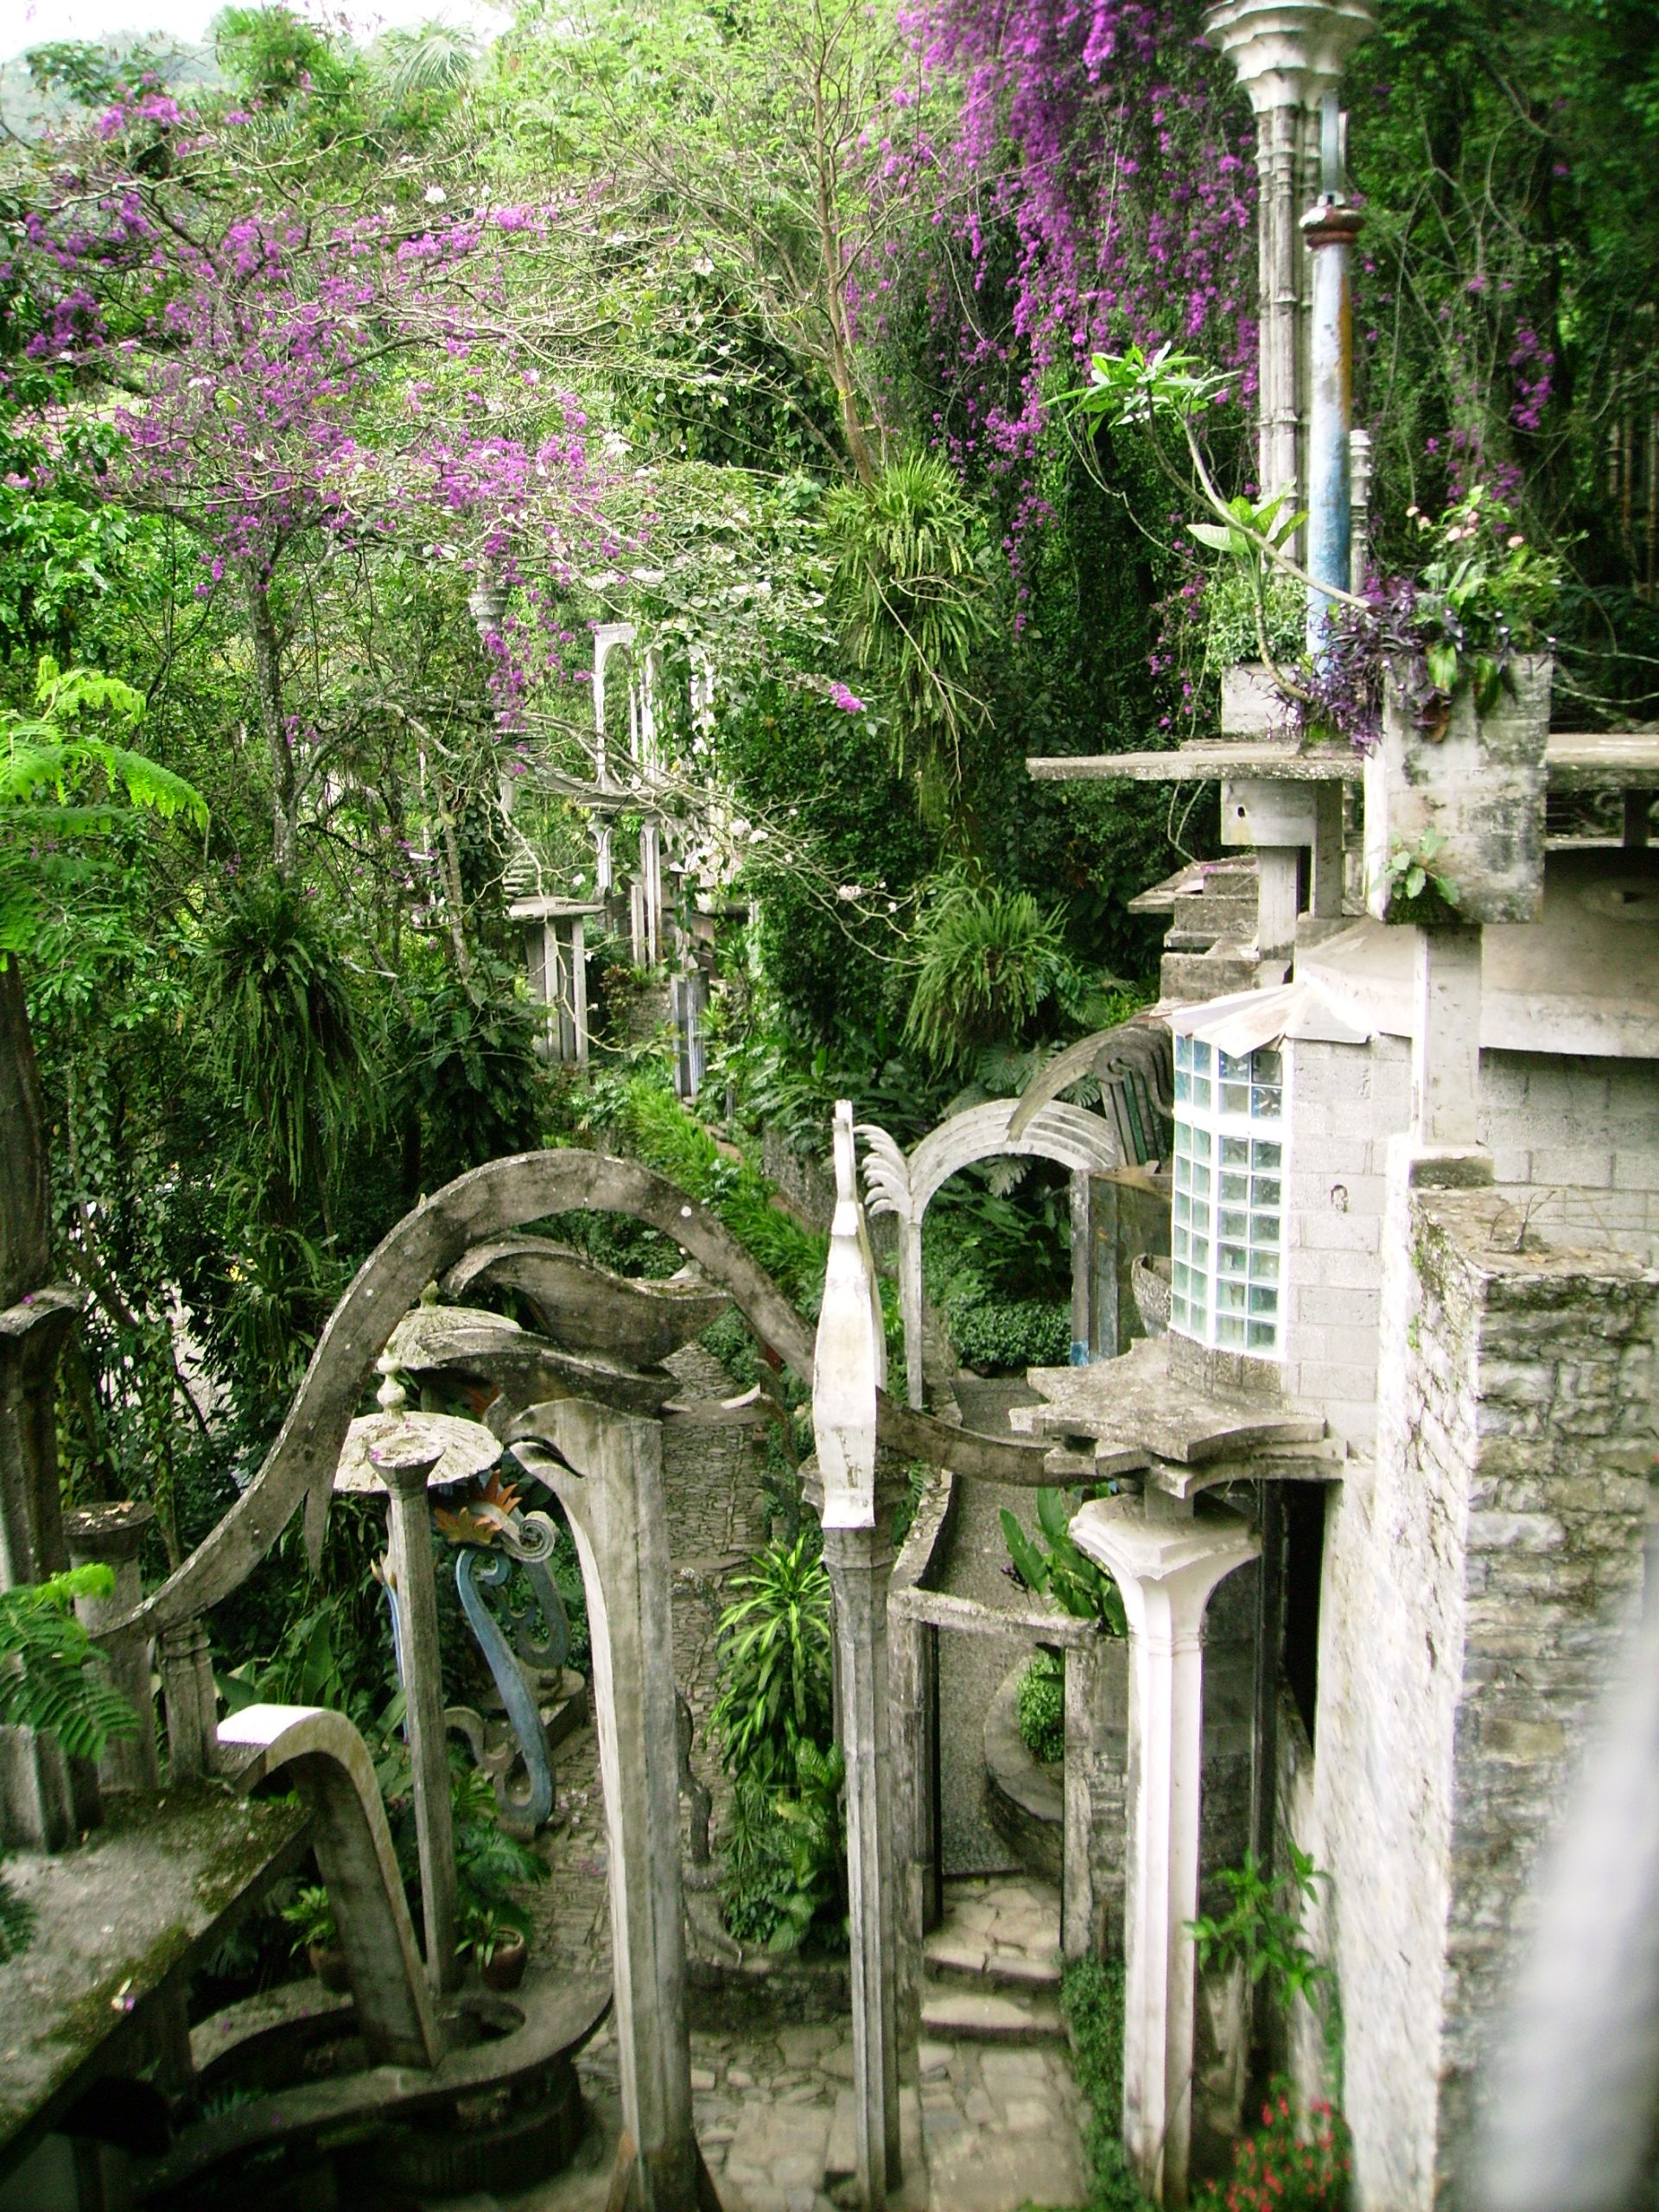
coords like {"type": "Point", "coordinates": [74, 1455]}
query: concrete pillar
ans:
{"type": "Point", "coordinates": [608, 1474]}
{"type": "Point", "coordinates": [192, 1702]}
{"type": "Point", "coordinates": [1325, 890]}
{"type": "Point", "coordinates": [405, 1463]}
{"type": "Point", "coordinates": [1445, 1039]}
{"type": "Point", "coordinates": [1359, 506]}
{"type": "Point", "coordinates": [910, 1307]}
{"type": "Point", "coordinates": [1166, 1570]}
{"type": "Point", "coordinates": [112, 1536]}
{"type": "Point", "coordinates": [848, 1371]}
{"type": "Point", "coordinates": [860, 1562]}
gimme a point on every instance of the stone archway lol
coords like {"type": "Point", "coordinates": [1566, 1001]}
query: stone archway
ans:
{"type": "Point", "coordinates": [905, 1184]}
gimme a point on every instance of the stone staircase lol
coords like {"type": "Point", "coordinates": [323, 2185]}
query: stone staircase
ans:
{"type": "Point", "coordinates": [993, 1965]}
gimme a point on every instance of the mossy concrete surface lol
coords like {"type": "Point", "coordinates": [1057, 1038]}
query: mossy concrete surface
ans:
{"type": "Point", "coordinates": [134, 1907]}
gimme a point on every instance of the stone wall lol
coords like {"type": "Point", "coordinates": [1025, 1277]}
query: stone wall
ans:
{"type": "Point", "coordinates": [1477, 1581]}
{"type": "Point", "coordinates": [1574, 1144]}
{"type": "Point", "coordinates": [1346, 1102]}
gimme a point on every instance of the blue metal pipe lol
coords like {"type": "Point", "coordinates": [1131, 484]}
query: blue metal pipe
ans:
{"type": "Point", "coordinates": [1330, 229]}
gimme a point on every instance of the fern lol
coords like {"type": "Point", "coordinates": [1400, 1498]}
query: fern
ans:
{"type": "Point", "coordinates": [16, 1921]}
{"type": "Point", "coordinates": [989, 960]}
{"type": "Point", "coordinates": [50, 1677]}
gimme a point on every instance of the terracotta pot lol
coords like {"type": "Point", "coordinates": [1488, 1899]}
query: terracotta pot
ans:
{"type": "Point", "coordinates": [328, 1964]}
{"type": "Point", "coordinates": [505, 1969]}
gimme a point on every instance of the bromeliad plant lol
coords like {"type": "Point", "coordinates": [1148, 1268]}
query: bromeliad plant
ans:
{"type": "Point", "coordinates": [1060, 1570]}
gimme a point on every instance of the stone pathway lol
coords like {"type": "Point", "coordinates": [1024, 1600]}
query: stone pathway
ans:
{"type": "Point", "coordinates": [993, 2120]}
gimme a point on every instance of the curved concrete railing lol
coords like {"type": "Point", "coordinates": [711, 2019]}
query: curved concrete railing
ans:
{"type": "Point", "coordinates": [334, 1774]}
{"type": "Point", "coordinates": [299, 1469]}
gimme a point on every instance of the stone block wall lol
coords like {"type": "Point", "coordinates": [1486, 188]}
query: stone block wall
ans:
{"type": "Point", "coordinates": [1575, 1144]}
{"type": "Point", "coordinates": [1346, 1102]}
{"type": "Point", "coordinates": [1576, 1148]}
{"type": "Point", "coordinates": [1477, 1580]}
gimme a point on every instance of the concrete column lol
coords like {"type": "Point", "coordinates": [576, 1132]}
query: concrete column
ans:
{"type": "Point", "coordinates": [860, 1561]}
{"type": "Point", "coordinates": [405, 1462]}
{"type": "Point", "coordinates": [1445, 1039]}
{"type": "Point", "coordinates": [1278, 874]}
{"type": "Point", "coordinates": [1324, 894]}
{"type": "Point", "coordinates": [192, 1702]}
{"type": "Point", "coordinates": [608, 1475]}
{"type": "Point", "coordinates": [112, 1536]}
{"type": "Point", "coordinates": [1166, 1570]}
{"type": "Point", "coordinates": [910, 1307]}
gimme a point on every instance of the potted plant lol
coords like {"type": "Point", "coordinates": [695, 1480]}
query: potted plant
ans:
{"type": "Point", "coordinates": [498, 1945]}
{"type": "Point", "coordinates": [1454, 783]}
{"type": "Point", "coordinates": [311, 1916]}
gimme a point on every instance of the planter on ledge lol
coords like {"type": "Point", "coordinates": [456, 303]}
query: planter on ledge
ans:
{"type": "Point", "coordinates": [1480, 787]}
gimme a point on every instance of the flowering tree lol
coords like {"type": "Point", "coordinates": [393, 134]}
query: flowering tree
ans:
{"type": "Point", "coordinates": [1099, 186]}
{"type": "Point", "coordinates": [290, 383]}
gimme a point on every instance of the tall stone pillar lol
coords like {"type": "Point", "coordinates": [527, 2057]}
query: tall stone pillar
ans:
{"type": "Point", "coordinates": [405, 1463]}
{"type": "Point", "coordinates": [1288, 53]}
{"type": "Point", "coordinates": [605, 1469]}
{"type": "Point", "coordinates": [850, 1368]}
{"type": "Point", "coordinates": [1165, 1569]}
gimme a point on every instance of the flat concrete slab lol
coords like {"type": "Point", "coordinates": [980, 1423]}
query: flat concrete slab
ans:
{"type": "Point", "coordinates": [1136, 1415]}
{"type": "Point", "coordinates": [137, 1907]}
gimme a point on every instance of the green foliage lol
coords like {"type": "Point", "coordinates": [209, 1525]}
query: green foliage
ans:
{"type": "Point", "coordinates": [51, 1672]}
{"type": "Point", "coordinates": [273, 55]}
{"type": "Point", "coordinates": [17, 1918]}
{"type": "Point", "coordinates": [289, 1041]}
{"type": "Point", "coordinates": [1484, 595]}
{"type": "Point", "coordinates": [1055, 1568]}
{"type": "Point", "coordinates": [777, 1689]}
{"type": "Point", "coordinates": [310, 1914]}
{"type": "Point", "coordinates": [988, 961]}
{"type": "Point", "coordinates": [912, 594]}
{"type": "Point", "coordinates": [1289, 2163]}
{"type": "Point", "coordinates": [784, 1852]}
{"type": "Point", "coordinates": [63, 789]}
{"type": "Point", "coordinates": [469, 1063]}
{"type": "Point", "coordinates": [486, 1930]}
{"type": "Point", "coordinates": [490, 1865]}
{"type": "Point", "coordinates": [1006, 1336]}
{"type": "Point", "coordinates": [1040, 1705]}
{"type": "Point", "coordinates": [1261, 1932]}
{"type": "Point", "coordinates": [1414, 879]}
{"type": "Point", "coordinates": [1232, 632]}
{"type": "Point", "coordinates": [1091, 1999]}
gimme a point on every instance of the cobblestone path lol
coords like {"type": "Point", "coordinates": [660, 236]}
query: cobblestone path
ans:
{"type": "Point", "coordinates": [991, 2123]}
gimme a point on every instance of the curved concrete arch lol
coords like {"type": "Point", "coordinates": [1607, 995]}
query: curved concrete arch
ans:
{"type": "Point", "coordinates": [502, 1195]}
{"type": "Point", "coordinates": [334, 1776]}
{"type": "Point", "coordinates": [907, 1183]}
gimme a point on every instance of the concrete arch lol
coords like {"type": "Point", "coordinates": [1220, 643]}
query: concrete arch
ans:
{"type": "Point", "coordinates": [907, 1183]}
{"type": "Point", "coordinates": [502, 1195]}
{"type": "Point", "coordinates": [332, 1770]}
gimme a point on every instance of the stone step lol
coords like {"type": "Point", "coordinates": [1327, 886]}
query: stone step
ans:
{"type": "Point", "coordinates": [952, 2013]}
{"type": "Point", "coordinates": [957, 1959]}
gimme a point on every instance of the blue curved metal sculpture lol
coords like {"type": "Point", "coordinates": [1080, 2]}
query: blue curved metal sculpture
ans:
{"type": "Point", "coordinates": [545, 1650]}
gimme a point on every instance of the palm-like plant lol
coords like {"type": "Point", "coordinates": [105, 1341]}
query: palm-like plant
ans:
{"type": "Point", "coordinates": [912, 593]}
{"type": "Point", "coordinates": [989, 959]}
{"type": "Point", "coordinates": [288, 1040]}
{"type": "Point", "coordinates": [775, 1660]}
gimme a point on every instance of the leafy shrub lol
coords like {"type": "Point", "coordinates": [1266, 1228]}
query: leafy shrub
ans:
{"type": "Point", "coordinates": [777, 1691]}
{"type": "Point", "coordinates": [471, 1071]}
{"type": "Point", "coordinates": [1261, 1932]}
{"type": "Point", "coordinates": [989, 959]}
{"type": "Point", "coordinates": [1041, 1707]}
{"type": "Point", "coordinates": [1091, 1997]}
{"type": "Point", "coordinates": [1003, 1335]}
{"type": "Point", "coordinates": [1058, 1569]}
{"type": "Point", "coordinates": [1287, 2165]}
{"type": "Point", "coordinates": [784, 1854]}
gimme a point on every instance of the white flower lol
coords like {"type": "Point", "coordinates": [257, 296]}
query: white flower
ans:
{"type": "Point", "coordinates": [436, 195]}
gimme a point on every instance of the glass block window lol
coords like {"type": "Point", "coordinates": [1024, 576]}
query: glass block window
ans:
{"type": "Point", "coordinates": [1226, 1230]}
